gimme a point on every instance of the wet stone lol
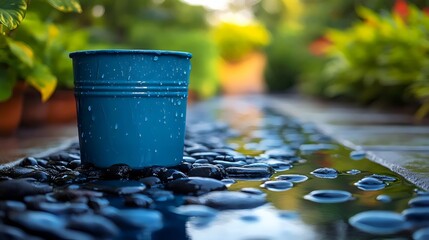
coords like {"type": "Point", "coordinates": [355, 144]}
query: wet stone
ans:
{"type": "Point", "coordinates": [232, 200]}
{"type": "Point", "coordinates": [421, 234]}
{"type": "Point", "coordinates": [196, 149]}
{"type": "Point", "coordinates": [205, 155]}
{"type": "Point", "coordinates": [117, 171]}
{"type": "Point", "coordinates": [195, 211]}
{"type": "Point", "coordinates": [42, 162]}
{"type": "Point", "coordinates": [29, 161]}
{"type": "Point", "coordinates": [117, 187]}
{"type": "Point", "coordinates": [60, 208]}
{"type": "Point", "coordinates": [209, 171]}
{"type": "Point", "coordinates": [250, 190]}
{"type": "Point", "coordinates": [189, 159]}
{"type": "Point", "coordinates": [138, 200]}
{"type": "Point", "coordinates": [12, 233]}
{"type": "Point", "coordinates": [329, 196]}
{"type": "Point", "coordinates": [17, 172]}
{"type": "Point", "coordinates": [69, 177]}
{"type": "Point", "coordinates": [183, 167]}
{"type": "Point", "coordinates": [136, 219]}
{"type": "Point", "coordinates": [12, 206]}
{"type": "Point", "coordinates": [195, 186]}
{"type": "Point", "coordinates": [159, 195]}
{"type": "Point", "coordinates": [202, 161]}
{"type": "Point", "coordinates": [357, 155]}
{"type": "Point", "coordinates": [150, 181]}
{"type": "Point", "coordinates": [97, 226]}
{"type": "Point", "coordinates": [248, 173]}
{"type": "Point", "coordinates": [38, 222]}
{"type": "Point", "coordinates": [384, 178]}
{"type": "Point", "coordinates": [421, 201]}
{"type": "Point", "coordinates": [379, 222]}
{"type": "Point", "coordinates": [18, 189]}
{"type": "Point", "coordinates": [73, 194]}
{"type": "Point", "coordinates": [328, 173]}
{"type": "Point", "coordinates": [74, 164]}
{"type": "Point", "coordinates": [63, 156]}
{"type": "Point", "coordinates": [370, 184]}
{"type": "Point", "coordinates": [227, 158]}
{"type": "Point", "coordinates": [277, 186]}
{"type": "Point", "coordinates": [97, 203]}
{"type": "Point", "coordinates": [228, 182]}
{"type": "Point", "coordinates": [227, 164]}
{"type": "Point", "coordinates": [278, 165]}
{"type": "Point", "coordinates": [295, 178]}
{"type": "Point", "coordinates": [171, 174]}
{"type": "Point", "coordinates": [39, 175]}
{"type": "Point", "coordinates": [419, 216]}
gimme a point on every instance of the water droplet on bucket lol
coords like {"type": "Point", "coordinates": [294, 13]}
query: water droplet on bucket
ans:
{"type": "Point", "coordinates": [89, 108]}
{"type": "Point", "coordinates": [155, 58]}
{"type": "Point", "coordinates": [116, 126]}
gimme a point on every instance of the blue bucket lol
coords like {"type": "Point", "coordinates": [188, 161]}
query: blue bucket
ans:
{"type": "Point", "coordinates": [131, 106]}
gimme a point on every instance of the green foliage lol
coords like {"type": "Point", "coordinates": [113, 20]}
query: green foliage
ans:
{"type": "Point", "coordinates": [235, 41]}
{"type": "Point", "coordinates": [382, 58]}
{"type": "Point", "coordinates": [66, 5]}
{"type": "Point", "coordinates": [204, 76]}
{"type": "Point", "coordinates": [24, 51]}
{"type": "Point", "coordinates": [287, 56]}
{"type": "Point", "coordinates": [12, 12]}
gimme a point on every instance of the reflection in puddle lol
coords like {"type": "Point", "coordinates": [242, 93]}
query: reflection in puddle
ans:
{"type": "Point", "coordinates": [260, 223]}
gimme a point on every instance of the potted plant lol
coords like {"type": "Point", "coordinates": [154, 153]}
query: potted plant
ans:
{"type": "Point", "coordinates": [19, 62]}
{"type": "Point", "coordinates": [242, 60]}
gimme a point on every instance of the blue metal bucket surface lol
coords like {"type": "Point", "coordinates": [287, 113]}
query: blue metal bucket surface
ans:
{"type": "Point", "coordinates": [131, 106]}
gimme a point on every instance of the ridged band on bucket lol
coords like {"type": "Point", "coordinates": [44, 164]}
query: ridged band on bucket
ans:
{"type": "Point", "coordinates": [132, 89]}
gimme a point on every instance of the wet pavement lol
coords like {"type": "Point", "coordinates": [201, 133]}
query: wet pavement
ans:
{"type": "Point", "coordinates": [249, 172]}
{"type": "Point", "coordinates": [394, 140]}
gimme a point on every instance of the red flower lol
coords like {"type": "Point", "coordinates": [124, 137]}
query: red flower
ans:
{"type": "Point", "coordinates": [319, 46]}
{"type": "Point", "coordinates": [401, 8]}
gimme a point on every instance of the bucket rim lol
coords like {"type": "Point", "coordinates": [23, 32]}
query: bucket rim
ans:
{"type": "Point", "coordinates": [130, 51]}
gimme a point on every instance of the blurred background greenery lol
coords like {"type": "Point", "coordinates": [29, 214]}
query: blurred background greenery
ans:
{"type": "Point", "coordinates": [362, 51]}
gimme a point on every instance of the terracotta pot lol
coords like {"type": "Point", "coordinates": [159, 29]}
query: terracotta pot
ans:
{"type": "Point", "coordinates": [245, 76]}
{"type": "Point", "coordinates": [60, 108]}
{"type": "Point", "coordinates": [10, 111]}
{"type": "Point", "coordinates": [34, 111]}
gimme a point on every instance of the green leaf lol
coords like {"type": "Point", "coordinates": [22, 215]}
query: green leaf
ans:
{"type": "Point", "coordinates": [7, 82]}
{"type": "Point", "coordinates": [22, 51]}
{"type": "Point", "coordinates": [12, 12]}
{"type": "Point", "coordinates": [41, 78]}
{"type": "Point", "coordinates": [66, 5]}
